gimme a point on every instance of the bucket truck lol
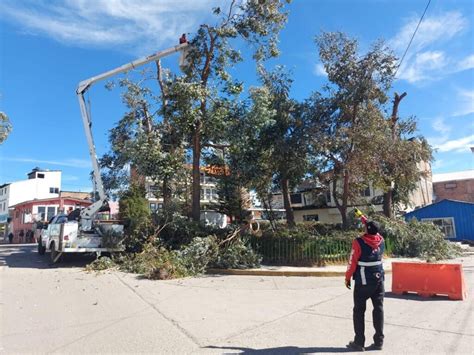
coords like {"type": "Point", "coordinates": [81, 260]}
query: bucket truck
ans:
{"type": "Point", "coordinates": [86, 234]}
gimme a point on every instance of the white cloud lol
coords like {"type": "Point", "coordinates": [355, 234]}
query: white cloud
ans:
{"type": "Point", "coordinates": [440, 126]}
{"type": "Point", "coordinates": [423, 62]}
{"type": "Point", "coordinates": [466, 63]}
{"type": "Point", "coordinates": [75, 163]}
{"type": "Point", "coordinates": [319, 70]}
{"type": "Point", "coordinates": [459, 145]}
{"type": "Point", "coordinates": [423, 67]}
{"type": "Point", "coordinates": [138, 24]}
{"type": "Point", "coordinates": [465, 105]}
{"type": "Point", "coordinates": [433, 29]}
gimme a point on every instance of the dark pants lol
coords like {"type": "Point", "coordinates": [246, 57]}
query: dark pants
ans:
{"type": "Point", "coordinates": [361, 295]}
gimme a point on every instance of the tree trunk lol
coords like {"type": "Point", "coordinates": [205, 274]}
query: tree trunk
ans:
{"type": "Point", "coordinates": [290, 217]}
{"type": "Point", "coordinates": [341, 206]}
{"type": "Point", "coordinates": [387, 203]}
{"type": "Point", "coordinates": [388, 196]}
{"type": "Point", "coordinates": [196, 189]}
{"type": "Point", "coordinates": [166, 193]}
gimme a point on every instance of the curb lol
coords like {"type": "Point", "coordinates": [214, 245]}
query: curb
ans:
{"type": "Point", "coordinates": [260, 272]}
{"type": "Point", "coordinates": [250, 272]}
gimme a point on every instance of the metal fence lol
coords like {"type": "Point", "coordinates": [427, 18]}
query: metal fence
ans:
{"type": "Point", "coordinates": [298, 251]}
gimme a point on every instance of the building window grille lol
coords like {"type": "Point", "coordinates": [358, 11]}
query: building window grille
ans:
{"type": "Point", "coordinates": [51, 211]}
{"type": "Point", "coordinates": [296, 198]}
{"type": "Point", "coordinates": [445, 224]}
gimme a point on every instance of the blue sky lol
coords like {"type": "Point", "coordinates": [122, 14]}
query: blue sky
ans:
{"type": "Point", "coordinates": [47, 47]}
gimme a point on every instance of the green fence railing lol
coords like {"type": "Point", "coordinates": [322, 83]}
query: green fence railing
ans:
{"type": "Point", "coordinates": [297, 251]}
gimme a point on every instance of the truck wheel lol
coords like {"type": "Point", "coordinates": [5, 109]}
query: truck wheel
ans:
{"type": "Point", "coordinates": [54, 254]}
{"type": "Point", "coordinates": [41, 248]}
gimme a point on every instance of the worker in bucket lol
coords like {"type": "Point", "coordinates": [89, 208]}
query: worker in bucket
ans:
{"type": "Point", "coordinates": [366, 268]}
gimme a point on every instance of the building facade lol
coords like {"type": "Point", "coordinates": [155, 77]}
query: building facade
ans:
{"type": "Point", "coordinates": [41, 184]}
{"type": "Point", "coordinates": [454, 218]}
{"type": "Point", "coordinates": [208, 197]}
{"type": "Point", "coordinates": [25, 215]}
{"type": "Point", "coordinates": [315, 202]}
{"type": "Point", "coordinates": [454, 186]}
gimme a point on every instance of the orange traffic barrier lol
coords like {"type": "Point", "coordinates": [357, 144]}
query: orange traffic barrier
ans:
{"type": "Point", "coordinates": [429, 279]}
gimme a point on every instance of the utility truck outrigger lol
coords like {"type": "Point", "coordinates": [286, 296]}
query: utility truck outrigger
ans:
{"type": "Point", "coordinates": [82, 232]}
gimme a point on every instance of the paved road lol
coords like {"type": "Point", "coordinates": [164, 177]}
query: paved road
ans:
{"type": "Point", "coordinates": [66, 310]}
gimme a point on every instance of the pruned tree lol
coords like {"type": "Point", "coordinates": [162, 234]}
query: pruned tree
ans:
{"type": "Point", "coordinates": [401, 161]}
{"type": "Point", "coordinates": [283, 141]}
{"type": "Point", "coordinates": [349, 125]}
{"type": "Point", "coordinates": [212, 51]}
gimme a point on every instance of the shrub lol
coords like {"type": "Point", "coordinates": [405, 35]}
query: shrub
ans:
{"type": "Point", "coordinates": [236, 255]}
{"type": "Point", "coordinates": [198, 254]}
{"type": "Point", "coordinates": [135, 214]}
{"type": "Point", "coordinates": [154, 262]}
{"type": "Point", "coordinates": [416, 239]}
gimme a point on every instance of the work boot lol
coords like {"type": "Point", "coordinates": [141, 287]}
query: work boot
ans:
{"type": "Point", "coordinates": [374, 347]}
{"type": "Point", "coordinates": [353, 346]}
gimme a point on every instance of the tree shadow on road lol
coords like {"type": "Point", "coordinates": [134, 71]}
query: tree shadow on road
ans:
{"type": "Point", "coordinates": [21, 256]}
{"type": "Point", "coordinates": [281, 350]}
{"type": "Point", "coordinates": [416, 297]}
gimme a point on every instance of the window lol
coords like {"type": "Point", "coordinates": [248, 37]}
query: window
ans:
{"type": "Point", "coordinates": [51, 211]}
{"type": "Point", "coordinates": [208, 194]}
{"type": "Point", "coordinates": [53, 190]}
{"type": "Point", "coordinates": [328, 196]}
{"type": "Point", "coordinates": [153, 207]}
{"type": "Point", "coordinates": [40, 176]}
{"type": "Point", "coordinates": [446, 225]}
{"type": "Point", "coordinates": [451, 185]}
{"type": "Point", "coordinates": [296, 198]}
{"type": "Point", "coordinates": [365, 192]}
{"type": "Point", "coordinates": [310, 217]}
{"type": "Point", "coordinates": [202, 194]}
{"type": "Point", "coordinates": [42, 213]}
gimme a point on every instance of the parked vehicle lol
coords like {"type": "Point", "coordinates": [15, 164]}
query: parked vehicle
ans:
{"type": "Point", "coordinates": [63, 236]}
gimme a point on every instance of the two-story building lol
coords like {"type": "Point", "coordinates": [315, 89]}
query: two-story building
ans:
{"type": "Point", "coordinates": [41, 184]}
{"type": "Point", "coordinates": [313, 201]}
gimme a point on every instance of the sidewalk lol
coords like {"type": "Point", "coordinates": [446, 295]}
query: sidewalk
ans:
{"type": "Point", "coordinates": [324, 271]}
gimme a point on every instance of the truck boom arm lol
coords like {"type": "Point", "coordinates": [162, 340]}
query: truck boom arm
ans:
{"type": "Point", "coordinates": [89, 212]}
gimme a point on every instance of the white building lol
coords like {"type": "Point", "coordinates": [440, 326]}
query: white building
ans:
{"type": "Point", "coordinates": [41, 184]}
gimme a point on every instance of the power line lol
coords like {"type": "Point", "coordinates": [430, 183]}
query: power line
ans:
{"type": "Point", "coordinates": [413, 36]}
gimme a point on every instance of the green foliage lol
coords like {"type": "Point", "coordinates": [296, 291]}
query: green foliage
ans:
{"type": "Point", "coordinates": [416, 239]}
{"type": "Point", "coordinates": [101, 264]}
{"type": "Point", "coordinates": [199, 253]}
{"type": "Point", "coordinates": [135, 214]}
{"type": "Point", "coordinates": [237, 255]}
{"type": "Point", "coordinates": [5, 127]}
{"type": "Point", "coordinates": [154, 262]}
{"type": "Point", "coordinates": [349, 129]}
